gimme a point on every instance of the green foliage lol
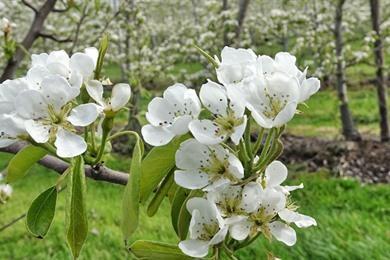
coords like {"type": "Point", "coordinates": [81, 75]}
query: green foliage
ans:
{"type": "Point", "coordinates": [102, 52]}
{"type": "Point", "coordinates": [160, 194]}
{"type": "Point", "coordinates": [131, 195]}
{"type": "Point", "coordinates": [155, 250]}
{"type": "Point", "coordinates": [23, 161]}
{"type": "Point", "coordinates": [157, 164]}
{"type": "Point", "coordinates": [41, 212]}
{"type": "Point", "coordinates": [77, 228]}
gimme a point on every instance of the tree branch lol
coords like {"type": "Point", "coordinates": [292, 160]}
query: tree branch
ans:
{"type": "Point", "coordinates": [53, 37]}
{"type": "Point", "coordinates": [29, 5]}
{"type": "Point", "coordinates": [99, 173]}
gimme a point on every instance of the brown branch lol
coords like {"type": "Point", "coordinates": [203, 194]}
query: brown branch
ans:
{"type": "Point", "coordinates": [99, 173]}
{"type": "Point", "coordinates": [29, 5]}
{"type": "Point", "coordinates": [60, 10]}
{"type": "Point", "coordinates": [53, 37]}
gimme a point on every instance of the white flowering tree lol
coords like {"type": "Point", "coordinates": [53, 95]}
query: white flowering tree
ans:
{"type": "Point", "coordinates": [225, 190]}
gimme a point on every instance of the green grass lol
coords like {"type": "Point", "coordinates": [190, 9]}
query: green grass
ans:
{"type": "Point", "coordinates": [353, 221]}
{"type": "Point", "coordinates": [321, 117]}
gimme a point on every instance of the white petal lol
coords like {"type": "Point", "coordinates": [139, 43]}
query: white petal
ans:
{"type": "Point", "coordinates": [39, 132]}
{"type": "Point", "coordinates": [194, 247]}
{"type": "Point", "coordinates": [238, 132]}
{"type": "Point", "coordinates": [160, 112]}
{"type": "Point", "coordinates": [275, 174]}
{"type": "Point", "coordinates": [93, 53]}
{"type": "Point", "coordinates": [302, 221]}
{"type": "Point", "coordinates": [155, 135]}
{"type": "Point", "coordinates": [216, 184]}
{"type": "Point", "coordinates": [235, 167]}
{"type": "Point", "coordinates": [308, 88]}
{"type": "Point", "coordinates": [231, 55]}
{"type": "Point", "coordinates": [267, 64]}
{"type": "Point", "coordinates": [83, 64]}
{"type": "Point", "coordinates": [285, 115]}
{"type": "Point", "coordinates": [191, 179]}
{"type": "Point", "coordinates": [60, 57]}
{"type": "Point", "coordinates": [205, 132]}
{"type": "Point", "coordinates": [95, 91]}
{"type": "Point", "coordinates": [192, 155]}
{"type": "Point", "coordinates": [206, 210]}
{"type": "Point", "coordinates": [84, 114]}
{"type": "Point", "coordinates": [180, 125]}
{"type": "Point", "coordinates": [286, 63]}
{"type": "Point", "coordinates": [251, 197]}
{"type": "Point", "coordinates": [121, 94]}
{"type": "Point", "coordinates": [220, 236]}
{"type": "Point", "coordinates": [57, 91]}
{"type": "Point", "coordinates": [175, 94]}
{"type": "Point", "coordinates": [273, 201]}
{"type": "Point", "coordinates": [39, 59]}
{"type": "Point", "coordinates": [36, 74]}
{"type": "Point", "coordinates": [69, 144]}
{"type": "Point", "coordinates": [292, 188]}
{"type": "Point", "coordinates": [283, 233]}
{"type": "Point", "coordinates": [31, 104]}
{"type": "Point", "coordinates": [214, 98]}
{"type": "Point", "coordinates": [6, 142]}
{"type": "Point", "coordinates": [239, 231]}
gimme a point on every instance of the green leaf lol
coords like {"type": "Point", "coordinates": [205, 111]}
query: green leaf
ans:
{"type": "Point", "coordinates": [207, 56]}
{"type": "Point", "coordinates": [160, 194]}
{"type": "Point", "coordinates": [157, 164]}
{"type": "Point", "coordinates": [77, 229]}
{"type": "Point", "coordinates": [178, 200]}
{"type": "Point", "coordinates": [179, 214]}
{"type": "Point", "coordinates": [23, 161]}
{"type": "Point", "coordinates": [131, 196]}
{"type": "Point", "coordinates": [150, 250]}
{"type": "Point", "coordinates": [41, 213]}
{"type": "Point", "coordinates": [102, 52]}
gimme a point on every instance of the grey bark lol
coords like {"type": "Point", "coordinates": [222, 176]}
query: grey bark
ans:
{"type": "Point", "coordinates": [99, 173]}
{"type": "Point", "coordinates": [32, 34]}
{"type": "Point", "coordinates": [242, 11]}
{"type": "Point", "coordinates": [380, 78]}
{"type": "Point", "coordinates": [225, 7]}
{"type": "Point", "coordinates": [349, 130]}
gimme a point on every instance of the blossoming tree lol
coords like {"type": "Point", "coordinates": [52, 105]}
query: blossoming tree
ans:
{"type": "Point", "coordinates": [225, 189]}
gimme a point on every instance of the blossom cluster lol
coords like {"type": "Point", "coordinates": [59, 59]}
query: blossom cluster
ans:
{"type": "Point", "coordinates": [45, 107]}
{"type": "Point", "coordinates": [5, 190]}
{"type": "Point", "coordinates": [240, 200]}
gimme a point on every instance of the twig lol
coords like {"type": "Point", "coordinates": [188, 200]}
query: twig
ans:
{"type": "Point", "coordinates": [98, 172]}
{"type": "Point", "coordinates": [29, 5]}
{"type": "Point", "coordinates": [53, 37]}
{"type": "Point", "coordinates": [12, 222]}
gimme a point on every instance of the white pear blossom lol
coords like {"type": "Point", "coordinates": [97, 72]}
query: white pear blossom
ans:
{"type": "Point", "coordinates": [9, 90]}
{"type": "Point", "coordinates": [272, 99]}
{"type": "Point", "coordinates": [50, 115]}
{"type": "Point", "coordinates": [229, 120]}
{"type": "Point", "coordinates": [75, 69]}
{"type": "Point", "coordinates": [120, 95]}
{"type": "Point", "coordinates": [170, 115]}
{"type": "Point", "coordinates": [208, 167]}
{"type": "Point", "coordinates": [5, 192]}
{"type": "Point", "coordinates": [267, 209]}
{"type": "Point", "coordinates": [206, 228]}
{"type": "Point", "coordinates": [285, 62]}
{"type": "Point", "coordinates": [235, 66]}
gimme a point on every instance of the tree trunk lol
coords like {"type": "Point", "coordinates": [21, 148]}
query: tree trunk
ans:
{"type": "Point", "coordinates": [29, 39]}
{"type": "Point", "coordinates": [242, 10]}
{"type": "Point", "coordinates": [380, 78]}
{"type": "Point", "coordinates": [225, 7]}
{"type": "Point", "coordinates": [349, 130]}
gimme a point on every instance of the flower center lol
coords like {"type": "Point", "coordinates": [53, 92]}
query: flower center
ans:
{"type": "Point", "coordinates": [208, 230]}
{"type": "Point", "coordinates": [276, 104]}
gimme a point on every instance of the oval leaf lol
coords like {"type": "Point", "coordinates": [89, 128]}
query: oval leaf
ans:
{"type": "Point", "coordinates": [178, 200]}
{"type": "Point", "coordinates": [157, 164]}
{"type": "Point", "coordinates": [160, 195]}
{"type": "Point", "coordinates": [131, 195]}
{"type": "Point", "coordinates": [23, 161]}
{"type": "Point", "coordinates": [155, 250]}
{"type": "Point", "coordinates": [41, 212]}
{"type": "Point", "coordinates": [77, 229]}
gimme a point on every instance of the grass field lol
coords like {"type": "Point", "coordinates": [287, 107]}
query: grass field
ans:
{"type": "Point", "coordinates": [353, 221]}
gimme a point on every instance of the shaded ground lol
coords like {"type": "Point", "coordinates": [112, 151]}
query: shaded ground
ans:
{"type": "Point", "coordinates": [367, 161]}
